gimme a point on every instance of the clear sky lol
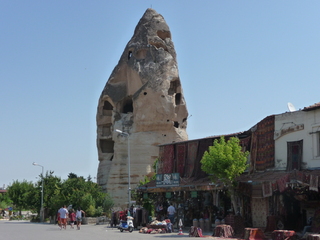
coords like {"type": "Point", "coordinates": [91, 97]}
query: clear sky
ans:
{"type": "Point", "coordinates": [239, 61]}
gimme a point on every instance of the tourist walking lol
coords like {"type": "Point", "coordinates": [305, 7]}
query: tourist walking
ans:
{"type": "Point", "coordinates": [63, 216]}
{"type": "Point", "coordinates": [79, 217]}
{"type": "Point", "coordinates": [72, 218]}
{"type": "Point", "coordinates": [171, 211]}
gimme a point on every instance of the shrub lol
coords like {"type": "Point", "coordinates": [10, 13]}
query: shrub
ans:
{"type": "Point", "coordinates": [90, 212]}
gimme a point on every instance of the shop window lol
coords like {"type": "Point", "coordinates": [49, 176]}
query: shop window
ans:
{"type": "Point", "coordinates": [106, 145]}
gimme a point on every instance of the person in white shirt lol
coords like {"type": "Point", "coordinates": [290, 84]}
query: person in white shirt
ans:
{"type": "Point", "coordinates": [79, 217]}
{"type": "Point", "coordinates": [63, 216]}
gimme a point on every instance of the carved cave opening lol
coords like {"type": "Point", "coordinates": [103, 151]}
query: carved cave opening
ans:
{"type": "Point", "coordinates": [106, 145]}
{"type": "Point", "coordinates": [107, 108]}
{"type": "Point", "coordinates": [107, 105]}
{"type": "Point", "coordinates": [127, 106]}
{"type": "Point", "coordinates": [106, 130]}
{"type": "Point", "coordinates": [176, 124]}
{"type": "Point", "coordinates": [173, 87]}
{"type": "Point", "coordinates": [178, 98]}
{"type": "Point", "coordinates": [163, 34]}
{"type": "Point", "coordinates": [129, 54]}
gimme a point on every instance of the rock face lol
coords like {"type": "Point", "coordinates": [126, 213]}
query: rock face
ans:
{"type": "Point", "coordinates": [143, 98]}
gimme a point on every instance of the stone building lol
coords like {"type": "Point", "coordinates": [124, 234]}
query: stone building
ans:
{"type": "Point", "coordinates": [143, 97]}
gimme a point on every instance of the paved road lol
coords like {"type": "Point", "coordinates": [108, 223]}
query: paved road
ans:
{"type": "Point", "coordinates": [17, 230]}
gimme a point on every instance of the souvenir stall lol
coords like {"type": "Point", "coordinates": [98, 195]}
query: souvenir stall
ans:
{"type": "Point", "coordinates": [197, 205]}
{"type": "Point", "coordinates": [279, 200]}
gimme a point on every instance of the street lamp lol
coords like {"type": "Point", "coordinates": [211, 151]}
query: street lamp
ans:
{"type": "Point", "coordinates": [41, 210]}
{"type": "Point", "coordinates": [129, 188]}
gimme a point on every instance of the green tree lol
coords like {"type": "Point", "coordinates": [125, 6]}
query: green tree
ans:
{"type": "Point", "coordinates": [22, 194]}
{"type": "Point", "coordinates": [225, 161]}
{"type": "Point", "coordinates": [75, 191]}
{"type": "Point", "coordinates": [81, 193]}
{"type": "Point", "coordinates": [72, 175]}
{"type": "Point", "coordinates": [147, 203]}
{"type": "Point", "coordinates": [52, 198]}
{"type": "Point", "coordinates": [5, 201]}
{"type": "Point", "coordinates": [107, 204]}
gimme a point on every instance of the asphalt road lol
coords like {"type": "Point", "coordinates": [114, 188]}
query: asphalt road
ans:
{"type": "Point", "coordinates": [17, 230]}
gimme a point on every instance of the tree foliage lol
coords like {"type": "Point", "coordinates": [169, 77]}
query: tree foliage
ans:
{"type": "Point", "coordinates": [75, 191]}
{"type": "Point", "coordinates": [5, 201]}
{"type": "Point", "coordinates": [22, 194]}
{"type": "Point", "coordinates": [224, 161]}
{"type": "Point", "coordinates": [72, 175]}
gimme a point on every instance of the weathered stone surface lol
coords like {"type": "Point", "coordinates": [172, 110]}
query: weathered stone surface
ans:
{"type": "Point", "coordinates": [143, 97]}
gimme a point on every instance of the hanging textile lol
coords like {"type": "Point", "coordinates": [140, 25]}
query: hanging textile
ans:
{"type": "Point", "coordinates": [167, 159]}
{"type": "Point", "coordinates": [313, 183]}
{"type": "Point", "coordinates": [161, 159]}
{"type": "Point", "coordinates": [266, 189]}
{"type": "Point", "coordinates": [262, 144]}
{"type": "Point", "coordinates": [282, 182]}
{"type": "Point", "coordinates": [181, 156]}
{"type": "Point", "coordinates": [192, 150]}
{"type": "Point", "coordinates": [203, 146]}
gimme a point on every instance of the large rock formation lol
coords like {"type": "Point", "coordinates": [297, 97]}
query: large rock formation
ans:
{"type": "Point", "coordinates": [143, 98]}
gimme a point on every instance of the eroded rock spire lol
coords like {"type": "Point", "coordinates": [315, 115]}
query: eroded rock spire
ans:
{"type": "Point", "coordinates": [142, 97]}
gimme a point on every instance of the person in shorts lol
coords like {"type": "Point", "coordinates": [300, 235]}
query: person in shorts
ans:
{"type": "Point", "coordinates": [63, 216]}
{"type": "Point", "coordinates": [72, 218]}
{"type": "Point", "coordinates": [79, 217]}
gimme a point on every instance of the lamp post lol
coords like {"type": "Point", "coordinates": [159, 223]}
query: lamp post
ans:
{"type": "Point", "coordinates": [129, 188]}
{"type": "Point", "coordinates": [41, 210]}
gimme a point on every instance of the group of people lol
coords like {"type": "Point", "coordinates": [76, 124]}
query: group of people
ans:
{"type": "Point", "coordinates": [74, 217]}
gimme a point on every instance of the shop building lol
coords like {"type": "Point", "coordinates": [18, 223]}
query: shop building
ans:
{"type": "Point", "coordinates": [279, 190]}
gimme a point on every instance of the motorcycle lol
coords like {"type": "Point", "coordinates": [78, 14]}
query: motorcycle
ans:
{"type": "Point", "coordinates": [126, 225]}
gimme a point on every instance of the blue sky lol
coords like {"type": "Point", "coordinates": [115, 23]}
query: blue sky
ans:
{"type": "Point", "coordinates": [239, 61]}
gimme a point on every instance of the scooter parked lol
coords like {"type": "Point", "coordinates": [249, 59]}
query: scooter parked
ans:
{"type": "Point", "coordinates": [126, 225]}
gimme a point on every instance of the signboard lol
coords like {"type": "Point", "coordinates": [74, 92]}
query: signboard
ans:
{"type": "Point", "coordinates": [168, 180]}
{"type": "Point", "coordinates": [194, 194]}
{"type": "Point", "coordinates": [168, 194]}
{"type": "Point", "coordinates": [145, 196]}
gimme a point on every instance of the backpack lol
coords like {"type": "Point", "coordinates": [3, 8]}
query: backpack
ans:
{"type": "Point", "coordinates": [195, 232]}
